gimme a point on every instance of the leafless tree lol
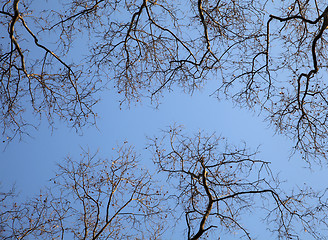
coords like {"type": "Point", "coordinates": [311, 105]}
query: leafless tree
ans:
{"type": "Point", "coordinates": [215, 184]}
{"type": "Point", "coordinates": [89, 198]}
{"type": "Point", "coordinates": [268, 56]}
{"type": "Point", "coordinates": [271, 57]}
{"type": "Point", "coordinates": [204, 187]}
{"type": "Point", "coordinates": [301, 110]}
{"type": "Point", "coordinates": [285, 76]}
{"type": "Point", "coordinates": [35, 79]}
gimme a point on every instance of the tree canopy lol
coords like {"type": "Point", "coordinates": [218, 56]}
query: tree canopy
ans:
{"type": "Point", "coordinates": [270, 57]}
{"type": "Point", "coordinates": [265, 55]}
{"type": "Point", "coordinates": [211, 186]}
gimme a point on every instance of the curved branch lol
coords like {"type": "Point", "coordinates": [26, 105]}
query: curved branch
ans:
{"type": "Point", "coordinates": [208, 208]}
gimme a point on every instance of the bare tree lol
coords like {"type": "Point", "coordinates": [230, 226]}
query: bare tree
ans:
{"type": "Point", "coordinates": [301, 110]}
{"type": "Point", "coordinates": [89, 198]}
{"type": "Point", "coordinates": [215, 185]}
{"type": "Point", "coordinates": [204, 186]}
{"type": "Point", "coordinates": [35, 79]}
{"type": "Point", "coordinates": [269, 56]}
{"type": "Point", "coordinates": [284, 74]}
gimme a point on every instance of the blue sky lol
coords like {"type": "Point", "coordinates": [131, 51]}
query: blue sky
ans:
{"type": "Point", "coordinates": [30, 163]}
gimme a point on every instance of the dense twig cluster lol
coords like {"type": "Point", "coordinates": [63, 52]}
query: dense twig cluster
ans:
{"type": "Point", "coordinates": [216, 184]}
{"type": "Point", "coordinates": [89, 198]}
{"type": "Point", "coordinates": [211, 185]}
{"type": "Point", "coordinates": [34, 79]}
{"type": "Point", "coordinates": [271, 58]}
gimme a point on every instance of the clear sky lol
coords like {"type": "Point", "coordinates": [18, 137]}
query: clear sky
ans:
{"type": "Point", "coordinates": [30, 163]}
